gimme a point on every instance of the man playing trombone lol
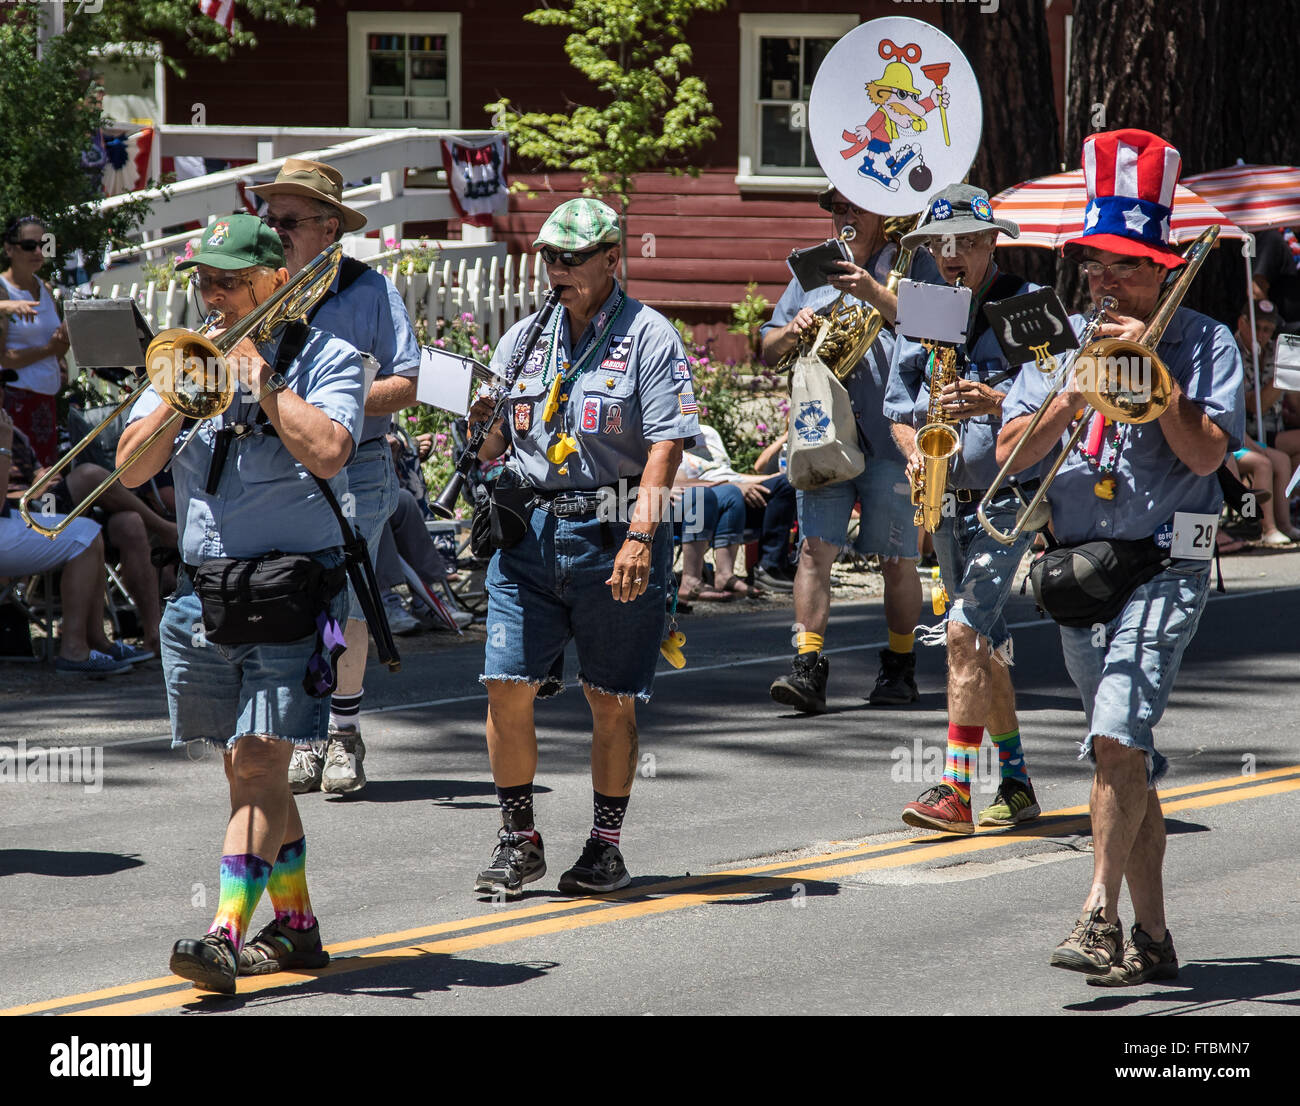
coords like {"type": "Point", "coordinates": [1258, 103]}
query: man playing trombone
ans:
{"type": "Point", "coordinates": [1147, 490]}
{"type": "Point", "coordinates": [244, 487]}
{"type": "Point", "coordinates": [978, 571]}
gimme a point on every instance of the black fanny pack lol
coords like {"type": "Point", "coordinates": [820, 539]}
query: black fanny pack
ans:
{"type": "Point", "coordinates": [1083, 585]}
{"type": "Point", "coordinates": [501, 515]}
{"type": "Point", "coordinates": [266, 600]}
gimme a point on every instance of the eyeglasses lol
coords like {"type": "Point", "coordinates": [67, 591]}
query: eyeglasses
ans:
{"type": "Point", "coordinates": [1122, 269]}
{"type": "Point", "coordinates": [570, 259]}
{"type": "Point", "coordinates": [844, 209]}
{"type": "Point", "coordinates": [226, 284]}
{"type": "Point", "coordinates": [965, 243]}
{"type": "Point", "coordinates": [31, 245]}
{"type": "Point", "coordinates": [291, 224]}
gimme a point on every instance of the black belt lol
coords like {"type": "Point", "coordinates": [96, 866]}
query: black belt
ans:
{"type": "Point", "coordinates": [974, 495]}
{"type": "Point", "coordinates": [575, 504]}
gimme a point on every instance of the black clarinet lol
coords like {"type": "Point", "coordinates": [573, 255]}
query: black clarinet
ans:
{"type": "Point", "coordinates": [445, 505]}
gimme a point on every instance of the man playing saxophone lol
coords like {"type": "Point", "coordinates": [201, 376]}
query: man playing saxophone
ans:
{"type": "Point", "coordinates": [1146, 490]}
{"type": "Point", "coordinates": [977, 571]}
{"type": "Point", "coordinates": [885, 524]}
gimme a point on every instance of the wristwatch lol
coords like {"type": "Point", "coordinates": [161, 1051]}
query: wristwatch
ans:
{"type": "Point", "coordinates": [275, 383]}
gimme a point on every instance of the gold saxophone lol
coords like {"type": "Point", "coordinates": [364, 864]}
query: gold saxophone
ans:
{"type": "Point", "coordinates": [936, 441]}
{"type": "Point", "coordinates": [854, 327]}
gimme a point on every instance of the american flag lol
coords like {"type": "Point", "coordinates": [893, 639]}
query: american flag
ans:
{"type": "Point", "coordinates": [223, 11]}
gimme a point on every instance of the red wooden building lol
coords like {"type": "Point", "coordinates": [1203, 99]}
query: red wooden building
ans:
{"type": "Point", "coordinates": [395, 62]}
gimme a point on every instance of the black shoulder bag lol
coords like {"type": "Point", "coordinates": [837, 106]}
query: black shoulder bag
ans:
{"type": "Point", "coordinates": [1083, 585]}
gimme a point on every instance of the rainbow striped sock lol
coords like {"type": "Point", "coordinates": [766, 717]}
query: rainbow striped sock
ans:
{"type": "Point", "coordinates": [1011, 757]}
{"type": "Point", "coordinates": [288, 886]}
{"type": "Point", "coordinates": [243, 879]}
{"type": "Point", "coordinates": [963, 749]}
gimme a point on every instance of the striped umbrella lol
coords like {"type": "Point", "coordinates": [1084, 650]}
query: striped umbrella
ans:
{"type": "Point", "coordinates": [1256, 197]}
{"type": "Point", "coordinates": [1049, 212]}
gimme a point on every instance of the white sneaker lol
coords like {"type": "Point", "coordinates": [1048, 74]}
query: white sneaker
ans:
{"type": "Point", "coordinates": [343, 756]}
{"type": "Point", "coordinates": [305, 769]}
{"type": "Point", "coordinates": [400, 620]}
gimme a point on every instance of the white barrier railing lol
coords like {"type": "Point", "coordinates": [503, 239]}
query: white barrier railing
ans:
{"type": "Point", "coordinates": [497, 293]}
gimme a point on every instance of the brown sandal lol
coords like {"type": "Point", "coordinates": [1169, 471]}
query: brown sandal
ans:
{"type": "Point", "coordinates": [705, 594]}
{"type": "Point", "coordinates": [736, 586]}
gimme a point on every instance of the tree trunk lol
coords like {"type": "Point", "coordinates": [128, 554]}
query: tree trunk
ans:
{"type": "Point", "coordinates": [1012, 60]}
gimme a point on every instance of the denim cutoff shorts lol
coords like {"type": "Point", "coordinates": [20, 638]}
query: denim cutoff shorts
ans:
{"type": "Point", "coordinates": [979, 571]}
{"type": "Point", "coordinates": [1126, 680]}
{"type": "Point", "coordinates": [372, 486]}
{"type": "Point", "coordinates": [219, 693]}
{"type": "Point", "coordinates": [550, 588]}
{"type": "Point", "coordinates": [885, 528]}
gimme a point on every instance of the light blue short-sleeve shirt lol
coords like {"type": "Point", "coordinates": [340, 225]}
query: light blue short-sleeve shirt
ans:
{"type": "Point", "coordinates": [636, 390]}
{"type": "Point", "coordinates": [265, 500]}
{"type": "Point", "coordinates": [1151, 483]}
{"type": "Point", "coordinates": [369, 315]}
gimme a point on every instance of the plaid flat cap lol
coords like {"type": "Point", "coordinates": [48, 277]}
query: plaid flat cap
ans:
{"type": "Point", "coordinates": [578, 225]}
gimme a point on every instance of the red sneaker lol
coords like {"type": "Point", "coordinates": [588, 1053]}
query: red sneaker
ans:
{"type": "Point", "coordinates": [940, 808]}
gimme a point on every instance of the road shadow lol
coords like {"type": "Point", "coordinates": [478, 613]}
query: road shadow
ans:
{"type": "Point", "coordinates": [1208, 984]}
{"type": "Point", "coordinates": [443, 792]}
{"type": "Point", "coordinates": [643, 889]}
{"type": "Point", "coordinates": [51, 862]}
{"type": "Point", "coordinates": [400, 977]}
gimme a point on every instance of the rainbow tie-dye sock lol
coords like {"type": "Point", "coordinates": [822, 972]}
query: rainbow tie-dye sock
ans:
{"type": "Point", "coordinates": [963, 749]}
{"type": "Point", "coordinates": [288, 886]}
{"type": "Point", "coordinates": [243, 879]}
{"type": "Point", "coordinates": [1011, 757]}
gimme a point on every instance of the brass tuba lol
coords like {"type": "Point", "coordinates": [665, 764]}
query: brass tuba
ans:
{"type": "Point", "coordinates": [854, 327]}
{"type": "Point", "coordinates": [189, 372]}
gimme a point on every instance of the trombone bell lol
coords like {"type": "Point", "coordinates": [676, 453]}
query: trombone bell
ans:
{"type": "Point", "coordinates": [1123, 380]}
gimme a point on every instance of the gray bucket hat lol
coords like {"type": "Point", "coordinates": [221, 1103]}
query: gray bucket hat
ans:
{"type": "Point", "coordinates": [958, 209]}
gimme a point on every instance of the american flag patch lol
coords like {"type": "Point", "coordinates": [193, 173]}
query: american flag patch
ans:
{"type": "Point", "coordinates": [687, 401]}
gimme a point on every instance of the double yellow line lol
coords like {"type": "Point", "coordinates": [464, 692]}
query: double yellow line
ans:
{"type": "Point", "coordinates": [504, 926]}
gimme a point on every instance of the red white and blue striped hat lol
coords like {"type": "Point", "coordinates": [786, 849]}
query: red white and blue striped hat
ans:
{"type": "Point", "coordinates": [1131, 176]}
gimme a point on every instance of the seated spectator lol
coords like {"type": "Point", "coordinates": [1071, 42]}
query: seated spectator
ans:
{"type": "Point", "coordinates": [730, 503]}
{"type": "Point", "coordinates": [406, 537]}
{"type": "Point", "coordinates": [1276, 273]}
{"type": "Point", "coordinates": [1267, 469]}
{"type": "Point", "coordinates": [79, 552]}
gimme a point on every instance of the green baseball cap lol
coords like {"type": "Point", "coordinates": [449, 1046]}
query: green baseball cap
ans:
{"type": "Point", "coordinates": [578, 225]}
{"type": "Point", "coordinates": [238, 242]}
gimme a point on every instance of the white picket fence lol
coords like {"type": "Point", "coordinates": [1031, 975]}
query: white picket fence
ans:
{"type": "Point", "coordinates": [496, 292]}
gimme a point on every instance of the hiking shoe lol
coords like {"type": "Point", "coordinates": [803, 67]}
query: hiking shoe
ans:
{"type": "Point", "coordinates": [208, 962]}
{"type": "Point", "coordinates": [515, 861]}
{"type": "Point", "coordinates": [600, 868]}
{"type": "Point", "coordinates": [96, 666]}
{"type": "Point", "coordinates": [805, 687]}
{"type": "Point", "coordinates": [278, 946]}
{"type": "Point", "coordinates": [1141, 959]}
{"type": "Point", "coordinates": [1014, 802]}
{"type": "Point", "coordinates": [896, 682]}
{"type": "Point", "coordinates": [1092, 948]}
{"type": "Point", "coordinates": [305, 768]}
{"type": "Point", "coordinates": [940, 808]}
{"type": "Point", "coordinates": [343, 756]}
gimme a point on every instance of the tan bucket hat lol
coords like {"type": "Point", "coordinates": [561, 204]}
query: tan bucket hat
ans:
{"type": "Point", "coordinates": [315, 180]}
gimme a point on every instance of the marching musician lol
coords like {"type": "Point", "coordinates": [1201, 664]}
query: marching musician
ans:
{"type": "Point", "coordinates": [978, 571]}
{"type": "Point", "coordinates": [885, 526]}
{"type": "Point", "coordinates": [604, 401]}
{"type": "Point", "coordinates": [305, 208]}
{"type": "Point", "coordinates": [1151, 484]}
{"type": "Point", "coordinates": [245, 487]}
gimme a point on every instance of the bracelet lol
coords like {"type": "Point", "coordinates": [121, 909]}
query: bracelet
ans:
{"type": "Point", "coordinates": [641, 536]}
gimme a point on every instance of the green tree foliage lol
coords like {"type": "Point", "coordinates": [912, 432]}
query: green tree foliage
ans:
{"type": "Point", "coordinates": [648, 113]}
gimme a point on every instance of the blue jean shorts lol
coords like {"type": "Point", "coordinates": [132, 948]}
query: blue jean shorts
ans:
{"type": "Point", "coordinates": [1125, 681]}
{"type": "Point", "coordinates": [551, 588]}
{"type": "Point", "coordinates": [372, 488]}
{"type": "Point", "coordinates": [885, 527]}
{"type": "Point", "coordinates": [979, 571]}
{"type": "Point", "coordinates": [219, 693]}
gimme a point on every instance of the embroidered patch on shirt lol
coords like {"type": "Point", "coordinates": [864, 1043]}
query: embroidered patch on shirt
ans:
{"type": "Point", "coordinates": [590, 415]}
{"type": "Point", "coordinates": [681, 370]}
{"type": "Point", "coordinates": [618, 354]}
{"type": "Point", "coordinates": [614, 419]}
{"type": "Point", "coordinates": [537, 358]}
{"type": "Point", "coordinates": [523, 417]}
{"type": "Point", "coordinates": [688, 404]}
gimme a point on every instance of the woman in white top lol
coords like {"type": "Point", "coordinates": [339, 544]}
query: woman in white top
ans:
{"type": "Point", "coordinates": [32, 344]}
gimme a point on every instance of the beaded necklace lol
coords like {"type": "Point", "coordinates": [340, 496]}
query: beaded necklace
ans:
{"type": "Point", "coordinates": [562, 374]}
{"type": "Point", "coordinates": [1103, 455]}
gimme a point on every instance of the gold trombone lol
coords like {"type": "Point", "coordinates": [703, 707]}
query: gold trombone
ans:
{"type": "Point", "coordinates": [189, 372]}
{"type": "Point", "coordinates": [1103, 368]}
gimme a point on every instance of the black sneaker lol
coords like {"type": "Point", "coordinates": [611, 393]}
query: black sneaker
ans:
{"type": "Point", "coordinates": [896, 682]}
{"type": "Point", "coordinates": [210, 962]}
{"type": "Point", "coordinates": [515, 861]}
{"type": "Point", "coordinates": [805, 687]}
{"type": "Point", "coordinates": [774, 579]}
{"type": "Point", "coordinates": [600, 868]}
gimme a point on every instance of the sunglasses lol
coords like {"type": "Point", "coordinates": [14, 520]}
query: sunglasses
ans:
{"type": "Point", "coordinates": [226, 284]}
{"type": "Point", "coordinates": [570, 259]}
{"type": "Point", "coordinates": [31, 245]}
{"type": "Point", "coordinates": [291, 224]}
{"type": "Point", "coordinates": [845, 209]}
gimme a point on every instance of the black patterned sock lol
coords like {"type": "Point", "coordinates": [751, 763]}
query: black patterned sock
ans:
{"type": "Point", "coordinates": [517, 809]}
{"type": "Point", "coordinates": [607, 822]}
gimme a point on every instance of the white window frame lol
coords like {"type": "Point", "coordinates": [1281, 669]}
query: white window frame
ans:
{"type": "Point", "coordinates": [363, 24]}
{"type": "Point", "coordinates": [749, 177]}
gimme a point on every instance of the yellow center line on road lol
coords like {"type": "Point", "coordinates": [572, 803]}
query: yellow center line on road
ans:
{"type": "Point", "coordinates": [504, 927]}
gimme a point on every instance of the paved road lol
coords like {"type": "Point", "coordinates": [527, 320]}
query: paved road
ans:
{"type": "Point", "coordinates": [773, 873]}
